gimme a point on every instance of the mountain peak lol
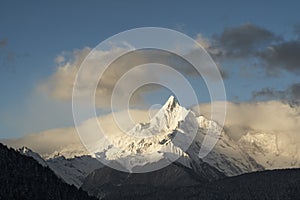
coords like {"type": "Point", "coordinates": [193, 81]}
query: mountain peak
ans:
{"type": "Point", "coordinates": [168, 117]}
{"type": "Point", "coordinates": [164, 121]}
{"type": "Point", "coordinates": [171, 103]}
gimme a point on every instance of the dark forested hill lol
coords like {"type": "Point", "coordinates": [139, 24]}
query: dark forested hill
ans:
{"type": "Point", "coordinates": [265, 185]}
{"type": "Point", "coordinates": [22, 177]}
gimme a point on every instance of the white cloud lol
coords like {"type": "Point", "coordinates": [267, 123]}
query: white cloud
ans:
{"type": "Point", "coordinates": [60, 84]}
{"type": "Point", "coordinates": [47, 142]}
{"type": "Point", "coordinates": [270, 116]}
{"type": "Point", "coordinates": [59, 59]}
{"type": "Point", "coordinates": [67, 140]}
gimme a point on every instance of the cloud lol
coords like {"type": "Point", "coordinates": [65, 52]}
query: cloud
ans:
{"type": "Point", "coordinates": [67, 140]}
{"type": "Point", "coordinates": [243, 41]}
{"type": "Point", "coordinates": [250, 43]}
{"type": "Point", "coordinates": [59, 59]}
{"type": "Point", "coordinates": [290, 95]}
{"type": "Point", "coordinates": [295, 90]}
{"type": "Point", "coordinates": [282, 56]}
{"type": "Point", "coordinates": [206, 43]}
{"type": "Point", "coordinates": [268, 93]}
{"type": "Point", "coordinates": [48, 141]}
{"type": "Point", "coordinates": [214, 52]}
{"type": "Point", "coordinates": [60, 84]}
{"type": "Point", "coordinates": [270, 117]}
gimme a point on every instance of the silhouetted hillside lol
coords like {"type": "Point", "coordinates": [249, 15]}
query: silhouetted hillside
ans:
{"type": "Point", "coordinates": [22, 177]}
{"type": "Point", "coordinates": [266, 185]}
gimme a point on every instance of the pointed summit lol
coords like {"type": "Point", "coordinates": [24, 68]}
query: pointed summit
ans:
{"type": "Point", "coordinates": [165, 120]}
{"type": "Point", "coordinates": [168, 117]}
{"type": "Point", "coordinates": [171, 103]}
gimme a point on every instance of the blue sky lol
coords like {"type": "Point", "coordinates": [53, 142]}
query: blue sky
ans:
{"type": "Point", "coordinates": [34, 33]}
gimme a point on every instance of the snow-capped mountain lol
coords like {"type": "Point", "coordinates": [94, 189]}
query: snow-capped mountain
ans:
{"type": "Point", "coordinates": [270, 151]}
{"type": "Point", "coordinates": [150, 142]}
{"type": "Point", "coordinates": [175, 132]}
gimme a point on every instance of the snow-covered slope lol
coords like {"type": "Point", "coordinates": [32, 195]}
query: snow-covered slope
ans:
{"type": "Point", "coordinates": [226, 156]}
{"type": "Point", "coordinates": [74, 170]}
{"type": "Point", "coordinates": [271, 151]}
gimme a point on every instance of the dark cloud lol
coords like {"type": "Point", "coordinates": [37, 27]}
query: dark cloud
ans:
{"type": "Point", "coordinates": [290, 94]}
{"type": "Point", "coordinates": [243, 40]}
{"type": "Point", "coordinates": [295, 91]}
{"type": "Point", "coordinates": [285, 55]}
{"type": "Point", "coordinates": [268, 93]}
{"type": "Point", "coordinates": [260, 46]}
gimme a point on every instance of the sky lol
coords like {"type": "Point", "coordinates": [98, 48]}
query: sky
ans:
{"type": "Point", "coordinates": [256, 45]}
